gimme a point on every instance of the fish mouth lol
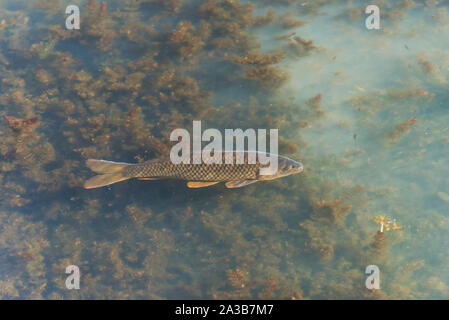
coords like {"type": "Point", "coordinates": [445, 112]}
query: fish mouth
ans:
{"type": "Point", "coordinates": [298, 168]}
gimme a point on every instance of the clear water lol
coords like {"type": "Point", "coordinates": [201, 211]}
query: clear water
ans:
{"type": "Point", "coordinates": [373, 143]}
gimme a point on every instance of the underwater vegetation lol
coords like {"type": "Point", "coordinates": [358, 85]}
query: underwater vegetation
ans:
{"type": "Point", "coordinates": [136, 70]}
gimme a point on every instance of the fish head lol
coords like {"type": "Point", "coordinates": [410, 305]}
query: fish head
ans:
{"type": "Point", "coordinates": [285, 167]}
{"type": "Point", "coordinates": [288, 167]}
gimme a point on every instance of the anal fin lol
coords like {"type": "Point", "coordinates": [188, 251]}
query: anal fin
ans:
{"type": "Point", "coordinates": [239, 183]}
{"type": "Point", "coordinates": [201, 184]}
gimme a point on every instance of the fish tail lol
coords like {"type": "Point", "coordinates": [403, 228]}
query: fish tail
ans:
{"type": "Point", "coordinates": [110, 172]}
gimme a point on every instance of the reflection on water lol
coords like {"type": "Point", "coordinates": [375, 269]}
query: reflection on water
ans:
{"type": "Point", "coordinates": [363, 110]}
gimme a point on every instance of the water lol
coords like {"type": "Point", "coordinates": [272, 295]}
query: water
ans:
{"type": "Point", "coordinates": [363, 110]}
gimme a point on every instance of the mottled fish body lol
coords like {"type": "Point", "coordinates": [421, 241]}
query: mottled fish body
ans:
{"type": "Point", "coordinates": [202, 174]}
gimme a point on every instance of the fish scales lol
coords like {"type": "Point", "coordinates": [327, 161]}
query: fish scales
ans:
{"type": "Point", "coordinates": [197, 172]}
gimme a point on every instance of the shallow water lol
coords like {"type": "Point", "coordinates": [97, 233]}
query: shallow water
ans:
{"type": "Point", "coordinates": [363, 110]}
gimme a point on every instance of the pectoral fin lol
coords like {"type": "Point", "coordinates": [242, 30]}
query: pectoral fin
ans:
{"type": "Point", "coordinates": [239, 183]}
{"type": "Point", "coordinates": [201, 184]}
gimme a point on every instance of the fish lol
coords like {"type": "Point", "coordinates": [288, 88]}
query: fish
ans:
{"type": "Point", "coordinates": [203, 174]}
